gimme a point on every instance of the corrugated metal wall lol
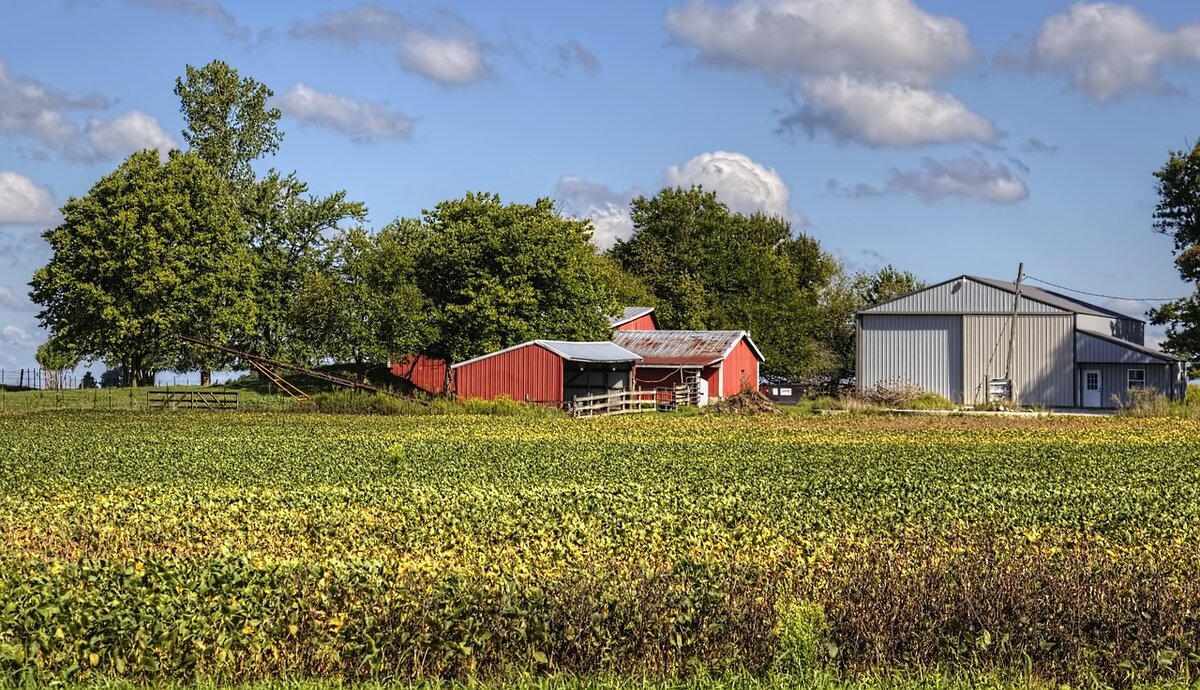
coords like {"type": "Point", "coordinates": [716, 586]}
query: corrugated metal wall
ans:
{"type": "Point", "coordinates": [1125, 329]}
{"type": "Point", "coordinates": [530, 373]}
{"type": "Point", "coordinates": [924, 350]}
{"type": "Point", "coordinates": [741, 362]}
{"type": "Point", "coordinates": [967, 297]}
{"type": "Point", "coordinates": [1114, 380]}
{"type": "Point", "coordinates": [423, 372]}
{"type": "Point", "coordinates": [1043, 357]}
{"type": "Point", "coordinates": [1092, 349]}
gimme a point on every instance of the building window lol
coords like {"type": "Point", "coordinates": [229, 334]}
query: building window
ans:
{"type": "Point", "coordinates": [1137, 379]}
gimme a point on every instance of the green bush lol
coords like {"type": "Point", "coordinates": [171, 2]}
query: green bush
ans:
{"type": "Point", "coordinates": [354, 402]}
{"type": "Point", "coordinates": [803, 638]}
{"type": "Point", "coordinates": [927, 401]}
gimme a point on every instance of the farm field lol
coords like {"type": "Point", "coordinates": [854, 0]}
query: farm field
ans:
{"type": "Point", "coordinates": [780, 552]}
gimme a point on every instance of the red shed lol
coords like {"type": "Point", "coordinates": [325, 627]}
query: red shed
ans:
{"type": "Point", "coordinates": [425, 373]}
{"type": "Point", "coordinates": [635, 319]}
{"type": "Point", "coordinates": [727, 360]}
{"type": "Point", "coordinates": [549, 372]}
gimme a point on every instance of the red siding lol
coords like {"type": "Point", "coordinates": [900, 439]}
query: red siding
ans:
{"type": "Point", "coordinates": [740, 361]}
{"type": "Point", "coordinates": [645, 322]}
{"type": "Point", "coordinates": [528, 373]}
{"type": "Point", "coordinates": [423, 372]}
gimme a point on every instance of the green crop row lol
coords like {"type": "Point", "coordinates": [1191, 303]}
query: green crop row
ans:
{"type": "Point", "coordinates": [195, 546]}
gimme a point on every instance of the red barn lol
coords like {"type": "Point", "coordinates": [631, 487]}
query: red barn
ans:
{"type": "Point", "coordinates": [727, 360]}
{"type": "Point", "coordinates": [548, 372]}
{"type": "Point", "coordinates": [425, 373]}
{"type": "Point", "coordinates": [635, 319]}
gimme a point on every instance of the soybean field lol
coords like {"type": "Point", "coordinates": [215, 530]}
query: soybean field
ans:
{"type": "Point", "coordinates": [232, 548]}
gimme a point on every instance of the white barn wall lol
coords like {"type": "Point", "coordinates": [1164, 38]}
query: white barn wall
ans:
{"type": "Point", "coordinates": [924, 350]}
{"type": "Point", "coordinates": [1043, 357]}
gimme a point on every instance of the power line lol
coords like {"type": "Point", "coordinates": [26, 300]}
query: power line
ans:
{"type": "Point", "coordinates": [1097, 294]}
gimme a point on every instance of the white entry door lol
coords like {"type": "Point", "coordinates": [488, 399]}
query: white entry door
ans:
{"type": "Point", "coordinates": [1091, 388]}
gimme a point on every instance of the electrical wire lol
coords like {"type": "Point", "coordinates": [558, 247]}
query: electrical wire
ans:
{"type": "Point", "coordinates": [1096, 294]}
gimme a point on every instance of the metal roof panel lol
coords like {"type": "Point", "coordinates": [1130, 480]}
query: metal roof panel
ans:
{"type": "Point", "coordinates": [682, 347]}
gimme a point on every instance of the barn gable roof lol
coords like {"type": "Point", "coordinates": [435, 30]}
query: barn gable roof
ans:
{"type": "Point", "coordinates": [946, 298]}
{"type": "Point", "coordinates": [629, 314]}
{"type": "Point", "coordinates": [684, 348]}
{"type": "Point", "coordinates": [599, 352]}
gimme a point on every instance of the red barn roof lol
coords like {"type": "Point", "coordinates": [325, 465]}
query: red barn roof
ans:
{"type": "Point", "coordinates": [683, 348]}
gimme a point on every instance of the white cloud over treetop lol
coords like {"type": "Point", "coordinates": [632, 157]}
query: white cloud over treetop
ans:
{"type": "Point", "coordinates": [738, 181]}
{"type": "Point", "coordinates": [882, 113]}
{"type": "Point", "coordinates": [362, 120]}
{"type": "Point", "coordinates": [451, 53]}
{"type": "Point", "coordinates": [1106, 50]}
{"type": "Point", "coordinates": [23, 202]}
{"type": "Point", "coordinates": [965, 177]}
{"type": "Point", "coordinates": [891, 39]}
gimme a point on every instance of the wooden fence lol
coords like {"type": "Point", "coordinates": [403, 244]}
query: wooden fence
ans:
{"type": "Point", "coordinates": [192, 400]}
{"type": "Point", "coordinates": [619, 402]}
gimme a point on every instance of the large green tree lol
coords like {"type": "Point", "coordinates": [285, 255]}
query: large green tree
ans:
{"type": "Point", "coordinates": [711, 268]}
{"type": "Point", "coordinates": [1178, 216]}
{"type": "Point", "coordinates": [154, 251]}
{"type": "Point", "coordinates": [495, 274]}
{"type": "Point", "coordinates": [227, 120]}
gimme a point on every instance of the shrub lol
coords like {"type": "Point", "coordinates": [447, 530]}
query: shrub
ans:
{"type": "Point", "coordinates": [803, 638]}
{"type": "Point", "coordinates": [927, 401]}
{"type": "Point", "coordinates": [1144, 403]}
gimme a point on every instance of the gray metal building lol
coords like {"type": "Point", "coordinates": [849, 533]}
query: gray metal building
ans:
{"type": "Point", "coordinates": [953, 337]}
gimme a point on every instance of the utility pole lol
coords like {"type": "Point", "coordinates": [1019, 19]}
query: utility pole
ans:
{"type": "Point", "coordinates": [1012, 334]}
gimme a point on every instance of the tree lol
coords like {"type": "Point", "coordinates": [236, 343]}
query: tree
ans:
{"type": "Point", "coordinates": [154, 251]}
{"type": "Point", "coordinates": [88, 381]}
{"type": "Point", "coordinates": [55, 358]}
{"type": "Point", "coordinates": [709, 267]}
{"type": "Point", "coordinates": [228, 122]}
{"type": "Point", "coordinates": [495, 275]}
{"type": "Point", "coordinates": [887, 284]}
{"type": "Point", "coordinates": [1178, 216]}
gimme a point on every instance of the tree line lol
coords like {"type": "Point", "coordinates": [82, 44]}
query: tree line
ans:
{"type": "Point", "coordinates": [197, 243]}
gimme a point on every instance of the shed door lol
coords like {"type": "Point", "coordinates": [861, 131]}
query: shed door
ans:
{"type": "Point", "coordinates": [1091, 388]}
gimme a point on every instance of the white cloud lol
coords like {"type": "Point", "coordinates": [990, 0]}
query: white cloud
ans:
{"type": "Point", "coordinates": [966, 177]}
{"type": "Point", "coordinates": [23, 202]}
{"type": "Point", "coordinates": [1106, 50]}
{"type": "Point", "coordinates": [210, 10]}
{"type": "Point", "coordinates": [740, 183]}
{"type": "Point", "coordinates": [606, 208]}
{"type": "Point", "coordinates": [891, 39]}
{"type": "Point", "coordinates": [17, 336]}
{"type": "Point", "coordinates": [9, 299]}
{"type": "Point", "coordinates": [362, 120]}
{"type": "Point", "coordinates": [886, 114]}
{"type": "Point", "coordinates": [31, 109]}
{"type": "Point", "coordinates": [451, 53]}
{"type": "Point", "coordinates": [133, 131]}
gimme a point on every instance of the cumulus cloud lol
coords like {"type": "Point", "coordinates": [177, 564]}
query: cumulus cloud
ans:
{"type": "Point", "coordinates": [35, 111]}
{"type": "Point", "coordinates": [891, 39]}
{"type": "Point", "coordinates": [362, 120]}
{"type": "Point", "coordinates": [1106, 50]}
{"type": "Point", "coordinates": [23, 202]}
{"type": "Point", "coordinates": [574, 53]}
{"type": "Point", "coordinates": [127, 133]}
{"type": "Point", "coordinates": [17, 336]}
{"type": "Point", "coordinates": [885, 114]}
{"type": "Point", "coordinates": [450, 53]}
{"type": "Point", "coordinates": [965, 177]}
{"type": "Point", "coordinates": [208, 10]}
{"type": "Point", "coordinates": [740, 183]}
{"type": "Point", "coordinates": [608, 209]}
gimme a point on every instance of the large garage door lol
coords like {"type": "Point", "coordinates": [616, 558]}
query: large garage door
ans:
{"type": "Point", "coordinates": [923, 350]}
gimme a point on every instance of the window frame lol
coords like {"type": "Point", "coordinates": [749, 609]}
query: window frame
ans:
{"type": "Point", "coordinates": [1129, 382]}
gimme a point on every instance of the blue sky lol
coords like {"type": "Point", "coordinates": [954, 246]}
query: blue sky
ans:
{"type": "Point", "coordinates": [941, 137]}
